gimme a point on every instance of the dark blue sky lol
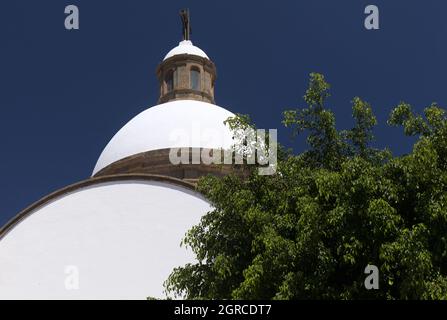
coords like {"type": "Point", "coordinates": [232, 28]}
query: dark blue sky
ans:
{"type": "Point", "coordinates": [64, 94]}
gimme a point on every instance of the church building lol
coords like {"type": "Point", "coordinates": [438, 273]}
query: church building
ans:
{"type": "Point", "coordinates": [117, 234]}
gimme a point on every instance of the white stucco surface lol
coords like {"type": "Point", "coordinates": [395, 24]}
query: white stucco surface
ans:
{"type": "Point", "coordinates": [181, 123]}
{"type": "Point", "coordinates": [186, 47]}
{"type": "Point", "coordinates": [122, 237]}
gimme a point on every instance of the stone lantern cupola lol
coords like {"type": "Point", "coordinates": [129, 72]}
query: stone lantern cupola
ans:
{"type": "Point", "coordinates": [186, 73]}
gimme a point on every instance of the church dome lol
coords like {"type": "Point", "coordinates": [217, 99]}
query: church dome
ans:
{"type": "Point", "coordinates": [175, 124]}
{"type": "Point", "coordinates": [186, 47]}
{"type": "Point", "coordinates": [126, 222]}
{"type": "Point", "coordinates": [186, 116]}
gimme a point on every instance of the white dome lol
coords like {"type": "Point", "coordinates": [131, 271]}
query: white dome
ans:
{"type": "Point", "coordinates": [108, 240]}
{"type": "Point", "coordinates": [180, 123]}
{"type": "Point", "coordinates": [186, 47]}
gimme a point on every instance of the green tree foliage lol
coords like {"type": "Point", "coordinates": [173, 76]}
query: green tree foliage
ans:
{"type": "Point", "coordinates": [309, 231]}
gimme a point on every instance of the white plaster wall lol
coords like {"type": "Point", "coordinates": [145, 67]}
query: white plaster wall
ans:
{"type": "Point", "coordinates": [124, 238]}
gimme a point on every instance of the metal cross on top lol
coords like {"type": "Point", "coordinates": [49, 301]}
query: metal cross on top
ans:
{"type": "Point", "coordinates": [186, 22]}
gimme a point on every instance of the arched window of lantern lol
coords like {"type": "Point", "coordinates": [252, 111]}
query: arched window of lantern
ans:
{"type": "Point", "coordinates": [195, 78]}
{"type": "Point", "coordinates": [169, 80]}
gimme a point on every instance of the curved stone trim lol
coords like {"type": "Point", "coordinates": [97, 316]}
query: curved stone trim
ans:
{"type": "Point", "coordinates": [157, 162]}
{"type": "Point", "coordinates": [184, 58]}
{"type": "Point", "coordinates": [86, 183]}
{"type": "Point", "coordinates": [186, 94]}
